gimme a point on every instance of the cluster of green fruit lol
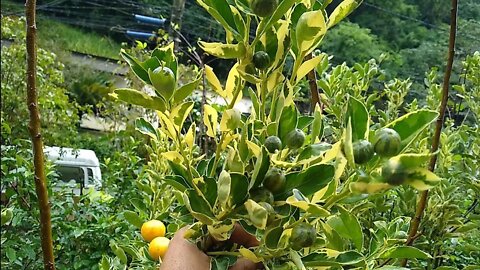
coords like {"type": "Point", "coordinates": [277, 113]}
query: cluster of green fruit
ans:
{"type": "Point", "coordinates": [387, 143]}
{"type": "Point", "coordinates": [303, 234]}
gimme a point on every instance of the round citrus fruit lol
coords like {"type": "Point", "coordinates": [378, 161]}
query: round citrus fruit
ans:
{"type": "Point", "coordinates": [261, 60]}
{"type": "Point", "coordinates": [387, 142]}
{"type": "Point", "coordinates": [151, 229]}
{"type": "Point", "coordinates": [163, 80]}
{"type": "Point", "coordinates": [263, 8]}
{"type": "Point", "coordinates": [394, 173]}
{"type": "Point", "coordinates": [158, 247]}
{"type": "Point", "coordinates": [274, 180]}
{"type": "Point", "coordinates": [273, 143]}
{"type": "Point", "coordinates": [303, 235]}
{"type": "Point", "coordinates": [362, 151]}
{"type": "Point", "coordinates": [262, 195]}
{"type": "Point", "coordinates": [295, 139]}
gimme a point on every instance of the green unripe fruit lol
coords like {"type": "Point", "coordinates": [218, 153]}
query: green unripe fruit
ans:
{"type": "Point", "coordinates": [270, 211]}
{"type": "Point", "coordinates": [295, 139]}
{"type": "Point", "coordinates": [262, 195]}
{"type": "Point", "coordinates": [362, 151]}
{"type": "Point", "coordinates": [163, 80]}
{"type": "Point", "coordinates": [303, 235]}
{"type": "Point", "coordinates": [261, 60]}
{"type": "Point", "coordinates": [263, 8]}
{"type": "Point", "coordinates": [387, 142]}
{"type": "Point", "coordinates": [274, 180]}
{"type": "Point", "coordinates": [273, 143]}
{"type": "Point", "coordinates": [6, 216]}
{"type": "Point", "coordinates": [394, 173]}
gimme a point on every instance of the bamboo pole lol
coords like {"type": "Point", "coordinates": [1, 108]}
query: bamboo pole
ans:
{"type": "Point", "coordinates": [34, 128]}
{"type": "Point", "coordinates": [422, 203]}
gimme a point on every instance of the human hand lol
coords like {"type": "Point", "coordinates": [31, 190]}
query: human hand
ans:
{"type": "Point", "coordinates": [183, 255]}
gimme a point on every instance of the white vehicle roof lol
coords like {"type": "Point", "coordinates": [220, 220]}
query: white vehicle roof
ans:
{"type": "Point", "coordinates": [70, 156]}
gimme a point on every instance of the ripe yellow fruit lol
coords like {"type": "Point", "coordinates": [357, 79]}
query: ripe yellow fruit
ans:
{"type": "Point", "coordinates": [158, 247]}
{"type": "Point", "coordinates": [151, 229]}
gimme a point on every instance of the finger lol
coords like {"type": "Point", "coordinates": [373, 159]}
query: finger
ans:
{"type": "Point", "coordinates": [182, 254]}
{"type": "Point", "coordinates": [242, 237]}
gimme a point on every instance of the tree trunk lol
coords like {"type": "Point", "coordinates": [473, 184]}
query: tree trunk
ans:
{"type": "Point", "coordinates": [176, 21]}
{"type": "Point", "coordinates": [34, 128]}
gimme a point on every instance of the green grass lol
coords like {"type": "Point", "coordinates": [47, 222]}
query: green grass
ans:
{"type": "Point", "coordinates": [61, 36]}
{"type": "Point", "coordinates": [58, 36]}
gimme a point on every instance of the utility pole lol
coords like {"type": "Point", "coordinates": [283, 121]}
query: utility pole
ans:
{"type": "Point", "coordinates": [176, 21]}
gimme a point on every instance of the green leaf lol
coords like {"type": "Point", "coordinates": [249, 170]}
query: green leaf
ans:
{"type": "Point", "coordinates": [358, 113]}
{"type": "Point", "coordinates": [198, 207]}
{"type": "Point", "coordinates": [185, 91]}
{"type": "Point", "coordinates": [260, 169]}
{"type": "Point", "coordinates": [314, 150]}
{"type": "Point", "coordinates": [215, 10]}
{"type": "Point", "coordinates": [180, 170]}
{"type": "Point", "coordinates": [309, 181]}
{"type": "Point", "coordinates": [144, 127]}
{"type": "Point", "coordinates": [347, 226]}
{"type": "Point", "coordinates": [133, 218]}
{"type": "Point", "coordinates": [222, 262]}
{"type": "Point", "coordinates": [404, 253]}
{"type": "Point", "coordinates": [304, 121]}
{"type": "Point", "coordinates": [281, 10]}
{"type": "Point", "coordinates": [240, 187]}
{"type": "Point", "coordinates": [288, 121]}
{"type": "Point", "coordinates": [272, 237]}
{"type": "Point", "coordinates": [392, 267]}
{"type": "Point", "coordinates": [177, 182]}
{"type": "Point", "coordinates": [208, 188]}
{"type": "Point", "coordinates": [139, 98]}
{"type": "Point", "coordinates": [224, 51]}
{"type": "Point", "coordinates": [136, 66]}
{"type": "Point", "coordinates": [336, 259]}
{"type": "Point", "coordinates": [342, 11]}
{"type": "Point", "coordinates": [410, 125]}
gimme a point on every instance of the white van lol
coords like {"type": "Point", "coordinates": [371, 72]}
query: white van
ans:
{"type": "Point", "coordinates": [76, 168]}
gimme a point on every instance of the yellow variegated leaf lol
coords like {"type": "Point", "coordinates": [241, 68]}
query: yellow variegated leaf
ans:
{"type": "Point", "coordinates": [167, 125]}
{"type": "Point", "coordinates": [213, 81]}
{"type": "Point", "coordinates": [223, 188]}
{"type": "Point", "coordinates": [232, 83]}
{"type": "Point", "coordinates": [318, 196]}
{"type": "Point", "coordinates": [307, 66]}
{"type": "Point", "coordinates": [257, 214]}
{"type": "Point", "coordinates": [190, 136]}
{"type": "Point", "coordinates": [254, 148]}
{"type": "Point", "coordinates": [210, 119]}
{"type": "Point", "coordinates": [228, 138]}
{"type": "Point", "coordinates": [342, 10]}
{"type": "Point", "coordinates": [310, 27]}
{"type": "Point", "coordinates": [221, 231]}
{"type": "Point", "coordinates": [332, 153]}
{"type": "Point", "coordinates": [274, 79]}
{"type": "Point", "coordinates": [282, 33]}
{"type": "Point", "coordinates": [173, 156]}
{"type": "Point", "coordinates": [231, 119]}
{"type": "Point", "coordinates": [248, 254]}
{"type": "Point", "coordinates": [312, 208]}
{"type": "Point", "coordinates": [369, 188]}
{"type": "Point", "coordinates": [180, 113]}
{"type": "Point", "coordinates": [224, 51]}
{"type": "Point", "coordinates": [347, 143]}
{"type": "Point", "coordinates": [422, 179]}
